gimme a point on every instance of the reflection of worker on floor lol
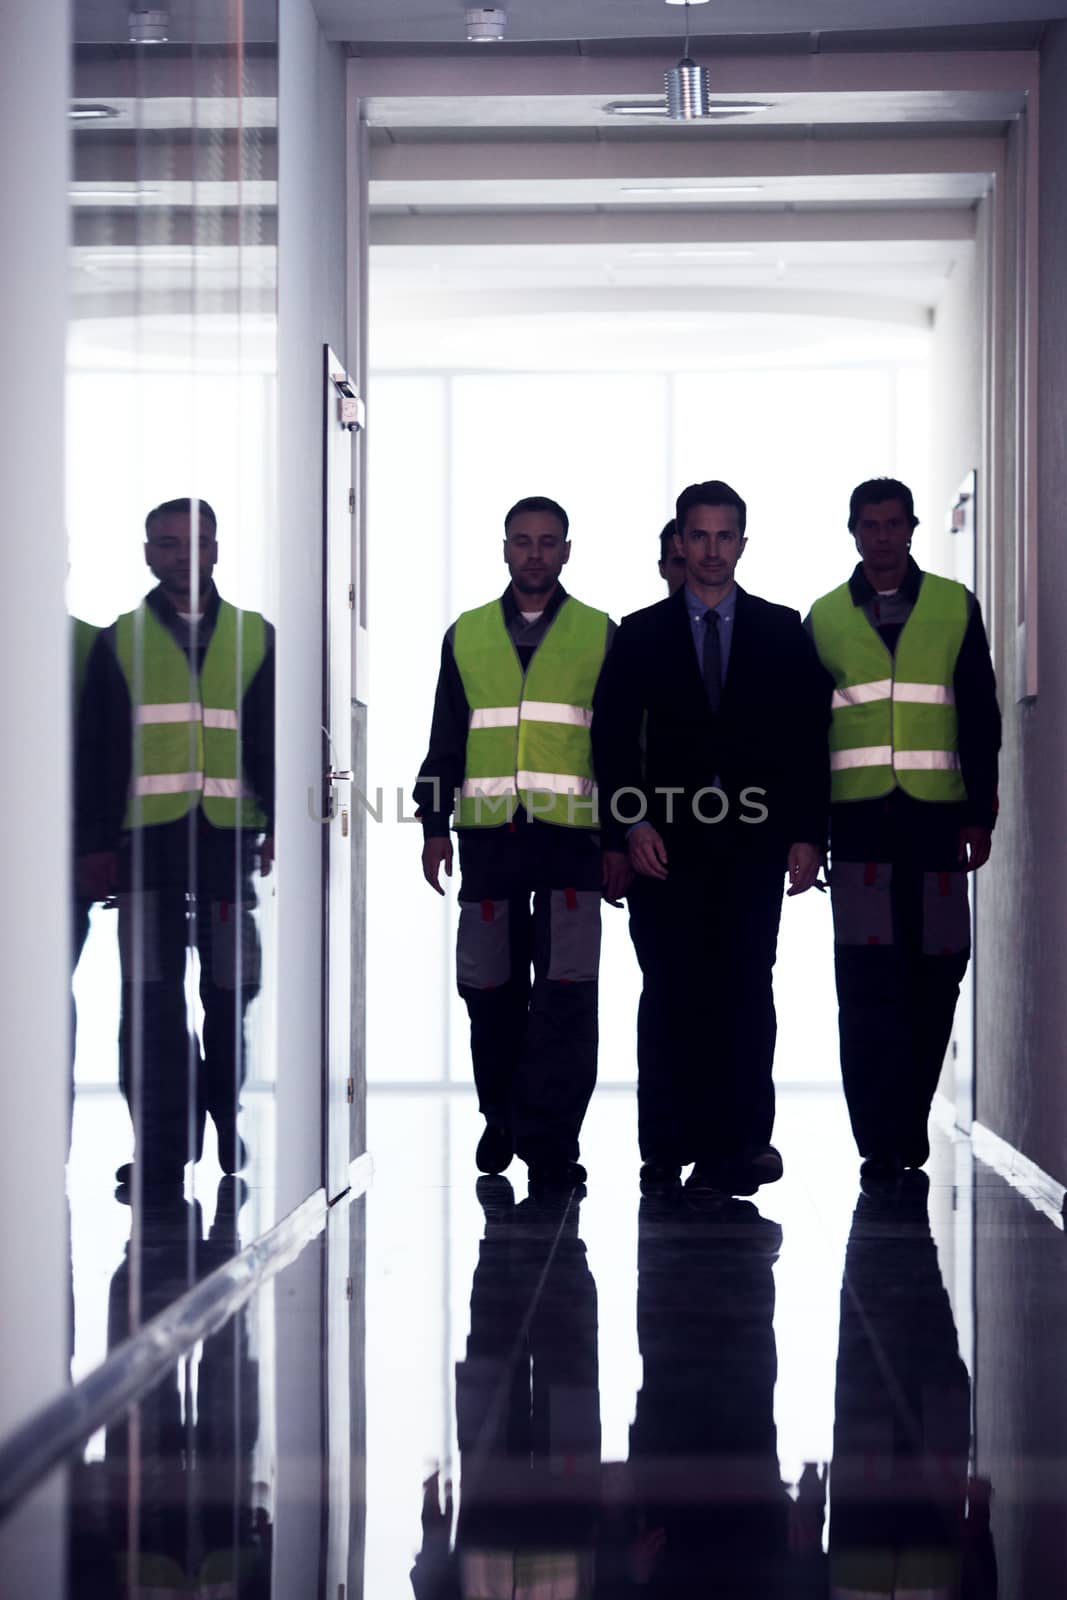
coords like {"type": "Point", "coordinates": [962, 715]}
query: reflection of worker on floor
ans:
{"type": "Point", "coordinates": [177, 1507]}
{"type": "Point", "coordinates": [904, 1517]}
{"type": "Point", "coordinates": [175, 793]}
{"type": "Point", "coordinates": [527, 1416]}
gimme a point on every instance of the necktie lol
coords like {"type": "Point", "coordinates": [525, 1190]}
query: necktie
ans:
{"type": "Point", "coordinates": [712, 660]}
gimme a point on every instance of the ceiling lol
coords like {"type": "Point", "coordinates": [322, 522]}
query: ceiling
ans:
{"type": "Point", "coordinates": [850, 148]}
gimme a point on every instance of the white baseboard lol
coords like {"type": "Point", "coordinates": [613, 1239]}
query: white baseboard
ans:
{"type": "Point", "coordinates": [1043, 1191]}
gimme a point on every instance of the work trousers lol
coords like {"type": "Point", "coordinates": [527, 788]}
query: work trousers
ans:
{"type": "Point", "coordinates": [529, 903]}
{"type": "Point", "coordinates": [706, 937]}
{"type": "Point", "coordinates": [902, 937]}
{"type": "Point", "coordinates": [167, 1085]}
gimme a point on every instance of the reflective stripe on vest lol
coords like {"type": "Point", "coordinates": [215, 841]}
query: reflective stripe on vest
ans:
{"type": "Point", "coordinates": [895, 729]}
{"type": "Point", "coordinates": [187, 751]}
{"type": "Point", "coordinates": [528, 738]}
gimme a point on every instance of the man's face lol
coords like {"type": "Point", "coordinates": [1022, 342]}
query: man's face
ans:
{"type": "Point", "coordinates": [536, 552]}
{"type": "Point", "coordinates": [710, 544]}
{"type": "Point", "coordinates": [672, 571]}
{"type": "Point", "coordinates": [169, 550]}
{"type": "Point", "coordinates": [883, 533]}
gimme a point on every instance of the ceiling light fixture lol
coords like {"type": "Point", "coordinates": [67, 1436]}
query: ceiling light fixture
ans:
{"type": "Point", "coordinates": [86, 111]}
{"type": "Point", "coordinates": [687, 85]}
{"type": "Point", "coordinates": [486, 24]}
{"type": "Point", "coordinates": [149, 27]}
{"type": "Point", "coordinates": [691, 255]}
{"type": "Point", "coordinates": [717, 109]}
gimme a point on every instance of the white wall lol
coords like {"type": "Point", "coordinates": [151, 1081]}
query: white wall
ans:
{"type": "Point", "coordinates": [34, 727]}
{"type": "Point", "coordinates": [311, 312]}
{"type": "Point", "coordinates": [1022, 1011]}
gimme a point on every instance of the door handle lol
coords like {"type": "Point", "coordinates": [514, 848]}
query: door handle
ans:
{"type": "Point", "coordinates": [335, 776]}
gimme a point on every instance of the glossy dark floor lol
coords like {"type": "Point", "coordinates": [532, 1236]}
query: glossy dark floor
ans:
{"type": "Point", "coordinates": [825, 1392]}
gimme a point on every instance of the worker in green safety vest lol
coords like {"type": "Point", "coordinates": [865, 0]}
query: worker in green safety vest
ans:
{"type": "Point", "coordinates": [914, 736]}
{"type": "Point", "coordinates": [174, 814]}
{"type": "Point", "coordinates": [510, 756]}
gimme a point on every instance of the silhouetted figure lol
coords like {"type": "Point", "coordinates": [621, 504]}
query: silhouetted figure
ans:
{"type": "Point", "coordinates": [671, 560]}
{"type": "Point", "coordinates": [527, 1414]}
{"type": "Point", "coordinates": [904, 1518]}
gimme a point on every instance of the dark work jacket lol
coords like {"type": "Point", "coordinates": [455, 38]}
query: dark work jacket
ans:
{"type": "Point", "coordinates": [189, 852]}
{"type": "Point", "coordinates": [653, 730]}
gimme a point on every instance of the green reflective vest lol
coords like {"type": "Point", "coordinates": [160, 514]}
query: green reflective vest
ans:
{"type": "Point", "coordinates": [528, 737]}
{"type": "Point", "coordinates": [894, 716]}
{"type": "Point", "coordinates": [187, 735]}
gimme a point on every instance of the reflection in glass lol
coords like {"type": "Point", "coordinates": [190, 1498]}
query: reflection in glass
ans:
{"type": "Point", "coordinates": [905, 1516]}
{"type": "Point", "coordinates": [527, 1416]}
{"type": "Point", "coordinates": [174, 808]}
{"type": "Point", "coordinates": [170, 478]}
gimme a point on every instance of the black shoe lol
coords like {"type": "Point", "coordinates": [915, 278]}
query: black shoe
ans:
{"type": "Point", "coordinates": [557, 1178]}
{"type": "Point", "coordinates": [660, 1177]}
{"type": "Point", "coordinates": [496, 1198]}
{"type": "Point", "coordinates": [233, 1152]}
{"type": "Point", "coordinates": [881, 1169]}
{"type": "Point", "coordinates": [708, 1182]}
{"type": "Point", "coordinates": [495, 1149]}
{"type": "Point", "coordinates": [754, 1169]}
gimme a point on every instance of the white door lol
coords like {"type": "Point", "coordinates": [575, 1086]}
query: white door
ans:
{"type": "Point", "coordinates": [342, 414]}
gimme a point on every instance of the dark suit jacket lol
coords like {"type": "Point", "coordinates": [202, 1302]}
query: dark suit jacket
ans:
{"type": "Point", "coordinates": [653, 729]}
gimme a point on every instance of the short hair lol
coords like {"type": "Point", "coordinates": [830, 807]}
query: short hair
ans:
{"type": "Point", "coordinates": [666, 547]}
{"type": "Point", "coordinates": [712, 493]}
{"type": "Point", "coordinates": [183, 507]}
{"type": "Point", "coordinates": [874, 492]}
{"type": "Point", "coordinates": [538, 502]}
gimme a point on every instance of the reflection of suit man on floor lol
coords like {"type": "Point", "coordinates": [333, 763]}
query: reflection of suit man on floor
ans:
{"type": "Point", "coordinates": [175, 792]}
{"type": "Point", "coordinates": [527, 1416]}
{"type": "Point", "coordinates": [709, 745]}
{"type": "Point", "coordinates": [903, 1515]}
{"type": "Point", "coordinates": [703, 1445]}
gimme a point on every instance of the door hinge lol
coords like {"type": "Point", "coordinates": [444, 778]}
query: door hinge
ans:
{"type": "Point", "coordinates": [351, 502]}
{"type": "Point", "coordinates": [351, 597]}
{"type": "Point", "coordinates": [350, 1091]}
{"type": "Point", "coordinates": [348, 1288]}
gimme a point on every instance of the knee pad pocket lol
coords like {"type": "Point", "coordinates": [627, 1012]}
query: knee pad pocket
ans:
{"type": "Point", "coordinates": [574, 934]}
{"type": "Point", "coordinates": [483, 944]}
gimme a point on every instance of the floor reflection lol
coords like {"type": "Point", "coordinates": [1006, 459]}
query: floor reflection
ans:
{"type": "Point", "coordinates": [175, 1506]}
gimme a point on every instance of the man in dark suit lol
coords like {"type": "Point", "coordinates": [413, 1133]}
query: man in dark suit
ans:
{"type": "Point", "coordinates": [709, 740]}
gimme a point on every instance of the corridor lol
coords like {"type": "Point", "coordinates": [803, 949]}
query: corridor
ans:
{"type": "Point", "coordinates": [827, 1392]}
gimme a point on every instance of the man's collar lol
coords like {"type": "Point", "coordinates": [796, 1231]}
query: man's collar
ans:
{"type": "Point", "coordinates": [164, 606]}
{"type": "Point", "coordinates": [697, 607]}
{"type": "Point", "coordinates": [863, 591]}
{"type": "Point", "coordinates": [512, 609]}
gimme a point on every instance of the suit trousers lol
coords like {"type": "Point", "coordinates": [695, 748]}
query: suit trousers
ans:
{"type": "Point", "coordinates": [529, 900]}
{"type": "Point", "coordinates": [166, 1084]}
{"type": "Point", "coordinates": [706, 938]}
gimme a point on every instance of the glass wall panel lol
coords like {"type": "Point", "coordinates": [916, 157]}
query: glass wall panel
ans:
{"type": "Point", "coordinates": [171, 400]}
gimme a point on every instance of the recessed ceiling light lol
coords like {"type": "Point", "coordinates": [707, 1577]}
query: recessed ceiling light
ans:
{"type": "Point", "coordinates": [131, 193]}
{"type": "Point", "coordinates": [149, 27]}
{"type": "Point", "coordinates": [485, 24]}
{"type": "Point", "coordinates": [86, 111]}
{"type": "Point", "coordinates": [669, 190]}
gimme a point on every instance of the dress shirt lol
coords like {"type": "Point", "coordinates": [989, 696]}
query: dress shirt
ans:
{"type": "Point", "coordinates": [725, 612]}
